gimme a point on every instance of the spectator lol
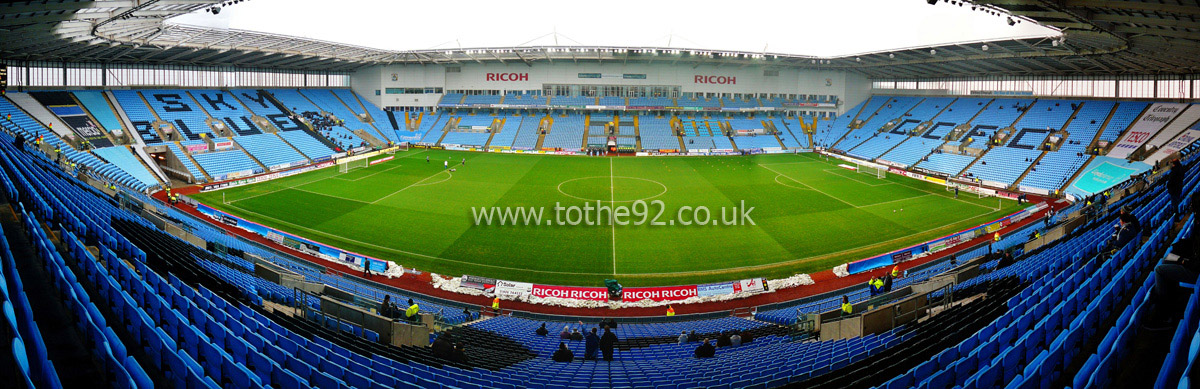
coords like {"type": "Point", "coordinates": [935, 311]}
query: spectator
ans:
{"type": "Point", "coordinates": [460, 353]}
{"type": "Point", "coordinates": [443, 347]}
{"type": "Point", "coordinates": [692, 337]}
{"type": "Point", "coordinates": [887, 282]}
{"type": "Point", "coordinates": [385, 308]}
{"type": "Point", "coordinates": [413, 311]}
{"type": "Point", "coordinates": [1175, 182]}
{"type": "Point", "coordinates": [706, 350]}
{"type": "Point", "coordinates": [607, 343]}
{"type": "Point", "coordinates": [565, 334]}
{"type": "Point", "coordinates": [723, 340]}
{"type": "Point", "coordinates": [563, 354]}
{"type": "Point", "coordinates": [591, 344]}
{"type": "Point", "coordinates": [576, 336]}
{"type": "Point", "coordinates": [735, 340]}
{"type": "Point", "coordinates": [542, 331]}
{"type": "Point", "coordinates": [683, 337]}
{"type": "Point", "coordinates": [747, 337]}
{"type": "Point", "coordinates": [1006, 259]}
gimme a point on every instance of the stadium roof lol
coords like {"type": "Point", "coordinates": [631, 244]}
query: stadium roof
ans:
{"type": "Point", "coordinates": [1100, 37]}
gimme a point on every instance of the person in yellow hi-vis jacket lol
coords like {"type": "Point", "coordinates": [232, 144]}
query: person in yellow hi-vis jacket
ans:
{"type": "Point", "coordinates": [412, 311]}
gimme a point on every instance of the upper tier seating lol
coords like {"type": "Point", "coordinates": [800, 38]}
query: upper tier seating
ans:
{"type": "Point", "coordinates": [228, 109]}
{"type": "Point", "coordinates": [481, 99]}
{"type": "Point", "coordinates": [699, 102]}
{"type": "Point", "coordinates": [139, 114]}
{"type": "Point", "coordinates": [525, 99]}
{"type": "Point", "coordinates": [97, 105]}
{"type": "Point", "coordinates": [1122, 118]}
{"type": "Point", "coordinates": [259, 103]}
{"type": "Point", "coordinates": [450, 100]}
{"type": "Point", "coordinates": [178, 108]}
{"type": "Point", "coordinates": [572, 100]}
{"type": "Point", "coordinates": [299, 103]}
{"type": "Point", "coordinates": [893, 108]}
{"type": "Point", "coordinates": [739, 103]}
{"type": "Point", "coordinates": [829, 132]}
{"type": "Point", "coordinates": [651, 102]}
{"type": "Point", "coordinates": [612, 101]}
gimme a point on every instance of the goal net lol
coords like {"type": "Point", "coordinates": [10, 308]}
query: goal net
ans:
{"type": "Point", "coordinates": [877, 171]}
{"type": "Point", "coordinates": [965, 190]}
{"type": "Point", "coordinates": [346, 165]}
{"type": "Point", "coordinates": [402, 146]}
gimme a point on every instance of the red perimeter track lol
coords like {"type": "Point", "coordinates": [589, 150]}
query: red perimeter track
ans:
{"type": "Point", "coordinates": [824, 281]}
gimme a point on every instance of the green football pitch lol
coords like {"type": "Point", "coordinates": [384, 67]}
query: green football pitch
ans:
{"type": "Point", "coordinates": [808, 215]}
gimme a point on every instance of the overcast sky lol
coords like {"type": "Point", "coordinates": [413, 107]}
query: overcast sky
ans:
{"type": "Point", "coordinates": [809, 27]}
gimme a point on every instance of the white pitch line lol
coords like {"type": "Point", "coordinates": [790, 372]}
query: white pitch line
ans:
{"type": "Point", "coordinates": [524, 269]}
{"type": "Point", "coordinates": [856, 179]}
{"type": "Point", "coordinates": [369, 175]}
{"type": "Point", "coordinates": [612, 192]}
{"type": "Point", "coordinates": [897, 200]}
{"type": "Point", "coordinates": [447, 171]}
{"type": "Point", "coordinates": [283, 189]}
{"type": "Point", "coordinates": [809, 186]}
{"type": "Point", "coordinates": [933, 193]}
{"type": "Point", "coordinates": [306, 183]}
{"type": "Point", "coordinates": [331, 196]}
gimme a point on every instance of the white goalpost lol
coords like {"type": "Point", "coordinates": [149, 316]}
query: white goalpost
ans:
{"type": "Point", "coordinates": [965, 190]}
{"type": "Point", "coordinates": [347, 164]}
{"type": "Point", "coordinates": [877, 171]}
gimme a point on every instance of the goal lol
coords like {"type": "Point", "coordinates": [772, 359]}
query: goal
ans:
{"type": "Point", "coordinates": [877, 171]}
{"type": "Point", "coordinates": [402, 146]}
{"type": "Point", "coordinates": [966, 190]}
{"type": "Point", "coordinates": [346, 165]}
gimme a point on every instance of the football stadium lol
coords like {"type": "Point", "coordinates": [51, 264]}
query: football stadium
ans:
{"type": "Point", "coordinates": [375, 194]}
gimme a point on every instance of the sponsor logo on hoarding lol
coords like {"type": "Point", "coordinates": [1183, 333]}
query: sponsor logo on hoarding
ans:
{"type": "Point", "coordinates": [507, 77]}
{"type": "Point", "coordinates": [719, 80]}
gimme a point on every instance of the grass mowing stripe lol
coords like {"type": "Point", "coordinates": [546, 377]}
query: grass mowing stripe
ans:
{"type": "Point", "coordinates": [418, 183]}
{"type": "Point", "coordinates": [612, 196]}
{"type": "Point", "coordinates": [808, 219]}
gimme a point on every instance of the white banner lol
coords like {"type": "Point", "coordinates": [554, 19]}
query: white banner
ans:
{"type": "Point", "coordinates": [1181, 123]}
{"type": "Point", "coordinates": [1155, 118]}
{"type": "Point", "coordinates": [1181, 141]}
{"type": "Point", "coordinates": [753, 285]}
{"type": "Point", "coordinates": [510, 290]}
